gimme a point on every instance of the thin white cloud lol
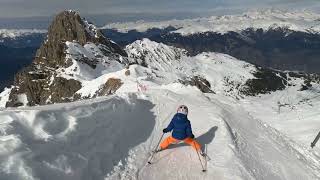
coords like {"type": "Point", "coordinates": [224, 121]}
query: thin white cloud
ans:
{"type": "Point", "coordinates": [26, 8]}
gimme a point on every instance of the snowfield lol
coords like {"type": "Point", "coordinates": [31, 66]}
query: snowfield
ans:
{"type": "Point", "coordinates": [304, 21]}
{"type": "Point", "coordinates": [111, 137]}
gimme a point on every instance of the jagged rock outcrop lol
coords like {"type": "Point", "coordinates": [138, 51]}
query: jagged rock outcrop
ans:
{"type": "Point", "coordinates": [68, 26]}
{"type": "Point", "coordinates": [73, 50]}
{"type": "Point", "coordinates": [201, 83]}
{"type": "Point", "coordinates": [110, 87]}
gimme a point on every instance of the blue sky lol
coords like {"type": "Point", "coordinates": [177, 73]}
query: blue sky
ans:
{"type": "Point", "coordinates": [28, 8]}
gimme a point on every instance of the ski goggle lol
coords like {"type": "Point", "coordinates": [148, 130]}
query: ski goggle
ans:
{"type": "Point", "coordinates": [183, 109]}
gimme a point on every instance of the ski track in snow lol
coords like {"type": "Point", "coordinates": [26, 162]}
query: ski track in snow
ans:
{"type": "Point", "coordinates": [243, 148]}
{"type": "Point", "coordinates": [262, 149]}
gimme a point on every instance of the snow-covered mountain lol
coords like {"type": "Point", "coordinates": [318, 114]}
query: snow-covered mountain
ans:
{"type": "Point", "coordinates": [257, 123]}
{"type": "Point", "coordinates": [304, 21]}
{"type": "Point", "coordinates": [284, 40]}
{"type": "Point", "coordinates": [74, 51]}
{"type": "Point", "coordinates": [85, 72]}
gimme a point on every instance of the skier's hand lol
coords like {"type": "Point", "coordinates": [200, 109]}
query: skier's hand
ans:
{"type": "Point", "coordinates": [192, 136]}
{"type": "Point", "coordinates": [165, 130]}
{"type": "Point", "coordinates": [312, 145]}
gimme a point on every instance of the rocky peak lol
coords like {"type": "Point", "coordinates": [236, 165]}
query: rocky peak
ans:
{"type": "Point", "coordinates": [68, 26]}
{"type": "Point", "coordinates": [74, 51]}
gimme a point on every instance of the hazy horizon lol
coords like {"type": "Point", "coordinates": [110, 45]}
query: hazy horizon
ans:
{"type": "Point", "coordinates": [42, 8]}
{"type": "Point", "coordinates": [38, 14]}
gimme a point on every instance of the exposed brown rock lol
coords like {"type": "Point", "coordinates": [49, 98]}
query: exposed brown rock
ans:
{"type": "Point", "coordinates": [63, 90]}
{"type": "Point", "coordinates": [110, 87]}
{"type": "Point", "coordinates": [68, 26]}
{"type": "Point", "coordinates": [201, 83]}
{"type": "Point", "coordinates": [127, 73]}
{"type": "Point", "coordinates": [31, 82]}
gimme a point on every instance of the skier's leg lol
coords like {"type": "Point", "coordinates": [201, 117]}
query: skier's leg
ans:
{"type": "Point", "coordinates": [169, 140]}
{"type": "Point", "coordinates": [193, 143]}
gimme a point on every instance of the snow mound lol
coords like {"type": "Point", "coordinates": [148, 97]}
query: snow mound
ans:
{"type": "Point", "coordinates": [82, 141]}
{"type": "Point", "coordinates": [88, 62]}
{"type": "Point", "coordinates": [303, 21]}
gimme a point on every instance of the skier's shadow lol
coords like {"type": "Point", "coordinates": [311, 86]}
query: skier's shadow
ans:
{"type": "Point", "coordinates": [205, 138]}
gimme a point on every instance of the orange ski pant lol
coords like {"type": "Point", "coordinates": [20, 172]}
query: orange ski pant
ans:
{"type": "Point", "coordinates": [170, 140]}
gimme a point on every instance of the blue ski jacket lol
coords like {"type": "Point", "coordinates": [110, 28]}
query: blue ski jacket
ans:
{"type": "Point", "coordinates": [180, 127]}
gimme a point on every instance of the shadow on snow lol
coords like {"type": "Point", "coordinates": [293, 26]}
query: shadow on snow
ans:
{"type": "Point", "coordinates": [86, 141]}
{"type": "Point", "coordinates": [205, 138]}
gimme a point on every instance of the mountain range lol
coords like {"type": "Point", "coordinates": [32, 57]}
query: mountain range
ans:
{"type": "Point", "coordinates": [272, 39]}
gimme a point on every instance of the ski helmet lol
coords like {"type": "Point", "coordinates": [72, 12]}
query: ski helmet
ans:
{"type": "Point", "coordinates": [183, 109]}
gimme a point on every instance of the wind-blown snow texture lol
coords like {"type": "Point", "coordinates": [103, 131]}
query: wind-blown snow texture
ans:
{"type": "Point", "coordinates": [304, 21]}
{"type": "Point", "coordinates": [111, 137]}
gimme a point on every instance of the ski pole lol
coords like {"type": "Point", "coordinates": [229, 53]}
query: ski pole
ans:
{"type": "Point", "coordinates": [315, 140]}
{"type": "Point", "coordinates": [203, 170]}
{"type": "Point", "coordinates": [149, 162]}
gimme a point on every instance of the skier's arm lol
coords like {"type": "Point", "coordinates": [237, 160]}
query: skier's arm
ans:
{"type": "Point", "coordinates": [170, 127]}
{"type": "Point", "coordinates": [189, 130]}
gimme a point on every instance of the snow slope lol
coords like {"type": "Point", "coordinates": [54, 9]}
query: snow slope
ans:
{"type": "Point", "coordinates": [303, 21]}
{"type": "Point", "coordinates": [112, 137]}
{"type": "Point", "coordinates": [170, 64]}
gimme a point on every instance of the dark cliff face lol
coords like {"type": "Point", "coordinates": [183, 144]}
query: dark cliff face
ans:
{"type": "Point", "coordinates": [68, 26]}
{"type": "Point", "coordinates": [39, 82]}
{"type": "Point", "coordinates": [16, 53]}
{"type": "Point", "coordinates": [279, 48]}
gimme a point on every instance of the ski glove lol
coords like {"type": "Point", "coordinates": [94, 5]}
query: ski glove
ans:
{"type": "Point", "coordinates": [192, 136]}
{"type": "Point", "coordinates": [165, 130]}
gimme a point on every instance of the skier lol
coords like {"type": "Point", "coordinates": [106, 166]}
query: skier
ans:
{"type": "Point", "coordinates": [181, 131]}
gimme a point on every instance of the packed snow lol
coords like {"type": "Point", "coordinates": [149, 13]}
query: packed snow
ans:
{"type": "Point", "coordinates": [304, 21]}
{"type": "Point", "coordinates": [111, 137]}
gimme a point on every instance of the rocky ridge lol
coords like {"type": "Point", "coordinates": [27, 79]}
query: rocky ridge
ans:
{"type": "Point", "coordinates": [73, 51]}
